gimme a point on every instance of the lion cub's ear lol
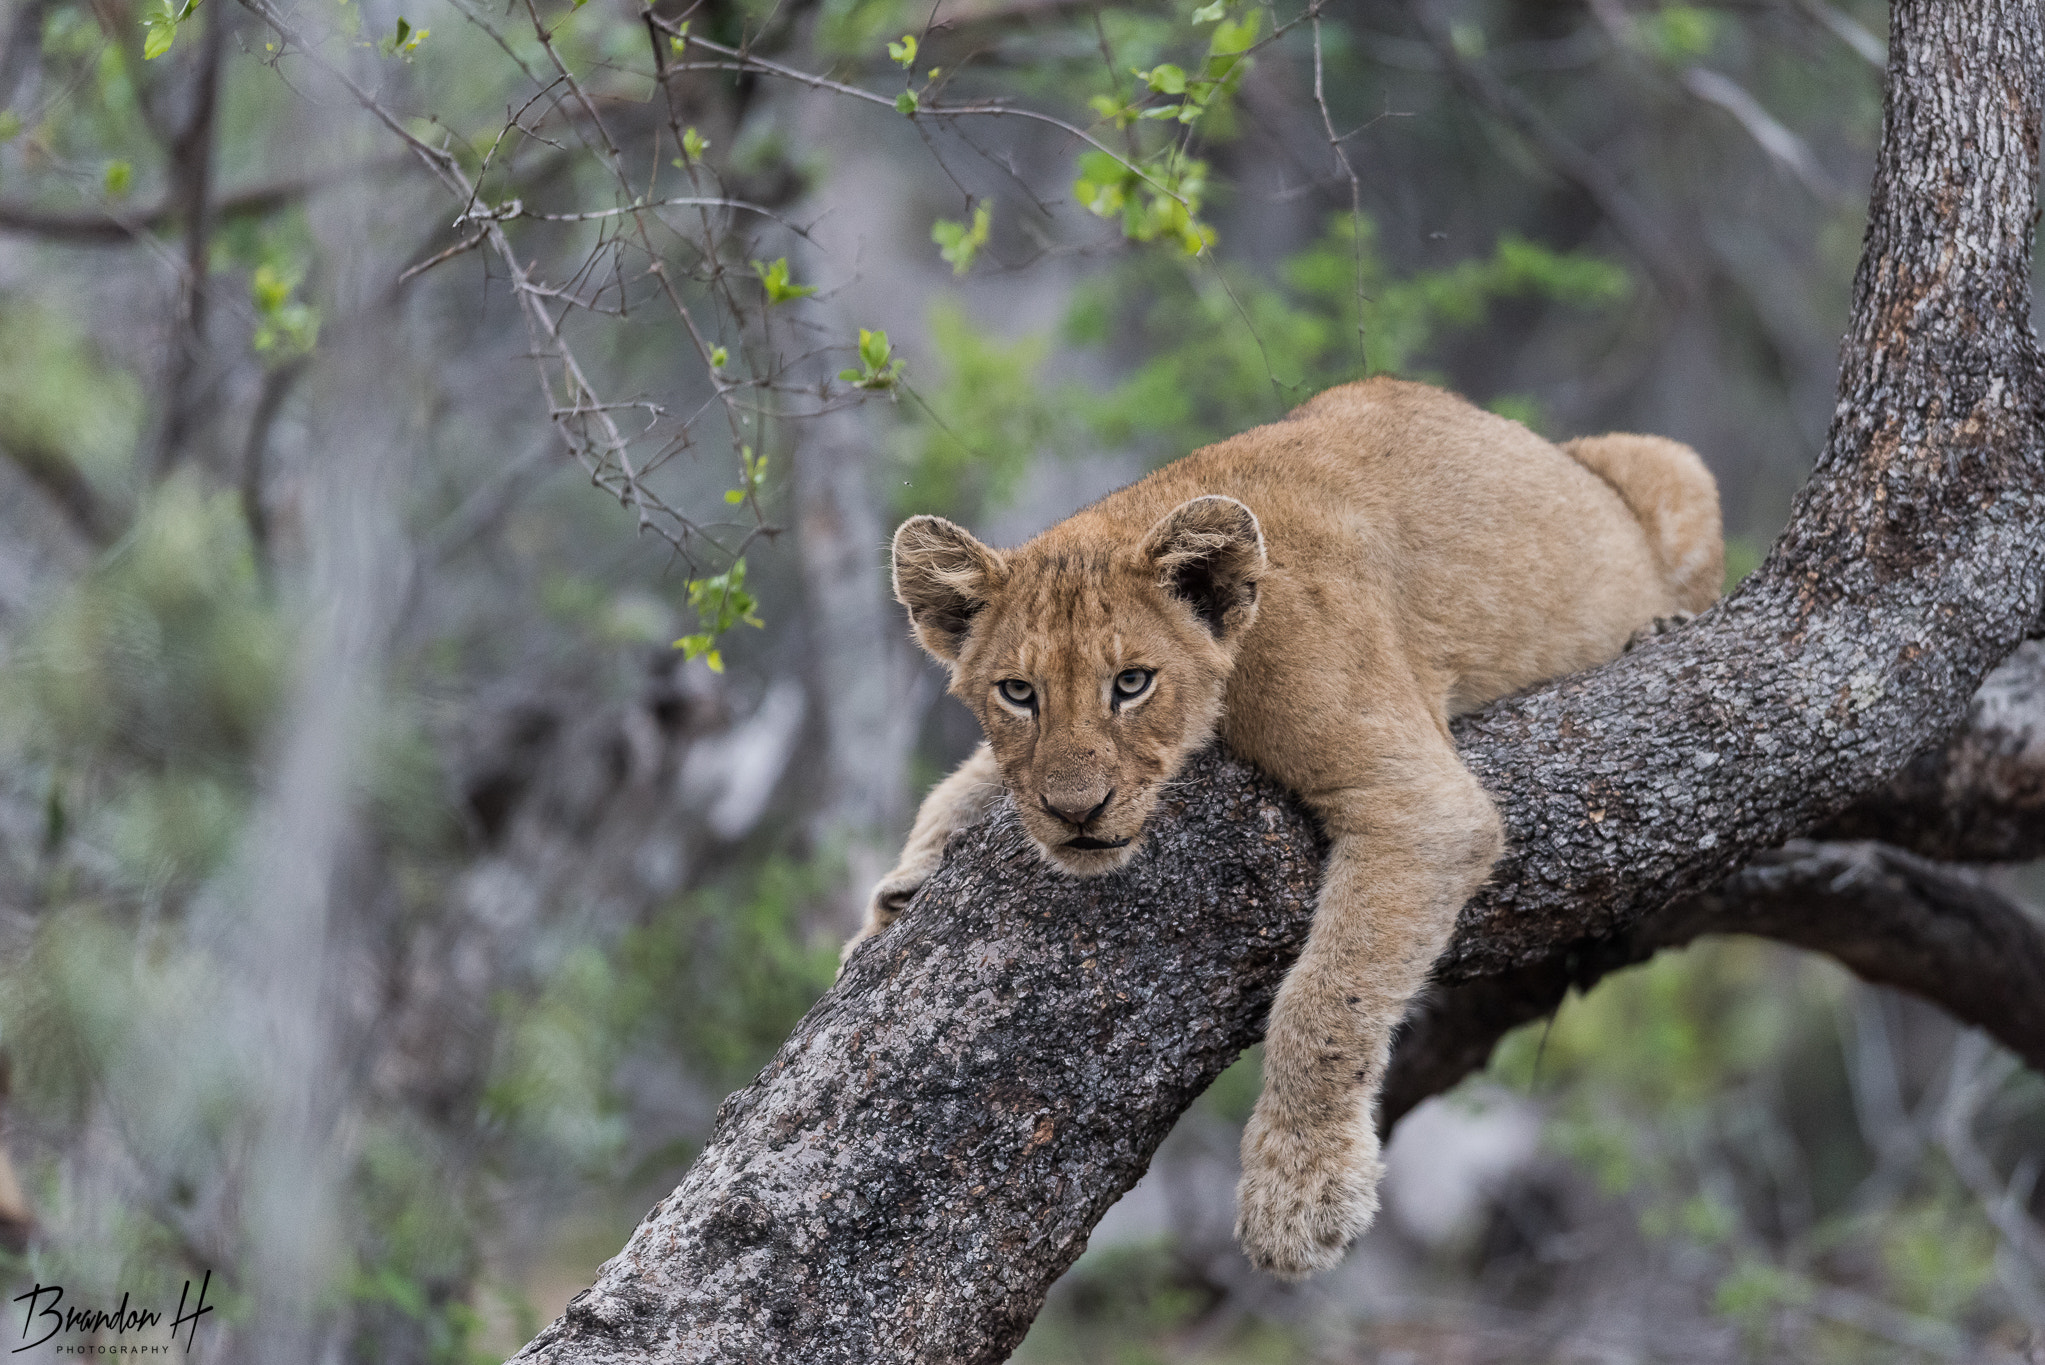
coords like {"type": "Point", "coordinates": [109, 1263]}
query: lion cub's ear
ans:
{"type": "Point", "coordinates": [943, 576]}
{"type": "Point", "coordinates": [1210, 552]}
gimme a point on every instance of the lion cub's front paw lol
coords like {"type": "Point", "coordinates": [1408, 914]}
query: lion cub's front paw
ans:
{"type": "Point", "coordinates": [1655, 629]}
{"type": "Point", "coordinates": [1305, 1195]}
{"type": "Point", "coordinates": [888, 900]}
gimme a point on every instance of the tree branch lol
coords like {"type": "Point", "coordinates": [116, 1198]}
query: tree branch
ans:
{"type": "Point", "coordinates": [932, 1146]}
{"type": "Point", "coordinates": [114, 228]}
{"type": "Point", "coordinates": [188, 380]}
{"type": "Point", "coordinates": [65, 484]}
{"type": "Point", "coordinates": [1943, 933]}
{"type": "Point", "coordinates": [1980, 797]}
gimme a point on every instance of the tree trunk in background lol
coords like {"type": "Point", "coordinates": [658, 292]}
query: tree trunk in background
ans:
{"type": "Point", "coordinates": [935, 1143]}
{"type": "Point", "coordinates": [867, 694]}
{"type": "Point", "coordinates": [859, 665]}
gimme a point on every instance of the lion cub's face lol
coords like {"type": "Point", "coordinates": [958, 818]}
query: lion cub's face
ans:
{"type": "Point", "coordinates": [1095, 668]}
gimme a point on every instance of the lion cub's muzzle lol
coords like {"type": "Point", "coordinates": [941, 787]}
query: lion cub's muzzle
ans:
{"type": "Point", "coordinates": [1077, 811]}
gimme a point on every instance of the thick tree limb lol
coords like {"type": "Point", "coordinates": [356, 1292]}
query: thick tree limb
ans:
{"type": "Point", "coordinates": [1940, 932]}
{"type": "Point", "coordinates": [1980, 797]}
{"type": "Point", "coordinates": [1943, 933]}
{"type": "Point", "coordinates": [933, 1145]}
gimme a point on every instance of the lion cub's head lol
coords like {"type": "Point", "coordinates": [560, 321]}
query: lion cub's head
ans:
{"type": "Point", "coordinates": [1096, 667]}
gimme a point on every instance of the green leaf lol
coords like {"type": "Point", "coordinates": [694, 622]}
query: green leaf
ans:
{"type": "Point", "coordinates": [1207, 14]}
{"type": "Point", "coordinates": [117, 178]}
{"type": "Point", "coordinates": [268, 290]}
{"type": "Point", "coordinates": [1157, 201]}
{"type": "Point", "coordinates": [734, 496]}
{"type": "Point", "coordinates": [959, 244]}
{"type": "Point", "coordinates": [873, 348]}
{"type": "Point", "coordinates": [161, 24]}
{"type": "Point", "coordinates": [1234, 38]}
{"type": "Point", "coordinates": [774, 279]}
{"type": "Point", "coordinates": [1107, 106]}
{"type": "Point", "coordinates": [284, 325]}
{"type": "Point", "coordinates": [718, 355]}
{"type": "Point", "coordinates": [1164, 78]}
{"type": "Point", "coordinates": [904, 52]}
{"type": "Point", "coordinates": [1678, 33]}
{"type": "Point", "coordinates": [694, 144]}
{"type": "Point", "coordinates": [906, 102]}
{"type": "Point", "coordinates": [721, 602]}
{"type": "Point", "coordinates": [877, 367]}
{"type": "Point", "coordinates": [10, 125]}
{"type": "Point", "coordinates": [161, 30]}
{"type": "Point", "coordinates": [403, 40]}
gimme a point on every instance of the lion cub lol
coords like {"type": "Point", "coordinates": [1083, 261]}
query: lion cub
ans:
{"type": "Point", "coordinates": [1322, 594]}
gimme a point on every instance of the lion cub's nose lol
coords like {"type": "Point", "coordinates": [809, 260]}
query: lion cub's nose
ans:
{"type": "Point", "coordinates": [1074, 808]}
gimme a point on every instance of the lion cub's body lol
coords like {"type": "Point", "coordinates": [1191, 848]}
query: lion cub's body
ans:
{"type": "Point", "coordinates": [1324, 593]}
{"type": "Point", "coordinates": [1416, 544]}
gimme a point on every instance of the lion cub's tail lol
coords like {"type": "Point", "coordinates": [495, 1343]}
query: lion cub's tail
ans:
{"type": "Point", "coordinates": [1675, 499]}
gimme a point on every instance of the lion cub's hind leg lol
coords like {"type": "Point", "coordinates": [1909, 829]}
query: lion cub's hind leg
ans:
{"type": "Point", "coordinates": [1413, 837]}
{"type": "Point", "coordinates": [1674, 498]}
{"type": "Point", "coordinates": [953, 804]}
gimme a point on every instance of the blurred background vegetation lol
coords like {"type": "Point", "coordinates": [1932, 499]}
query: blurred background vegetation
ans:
{"type": "Point", "coordinates": [389, 901]}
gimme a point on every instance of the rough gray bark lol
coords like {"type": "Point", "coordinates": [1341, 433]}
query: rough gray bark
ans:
{"type": "Point", "coordinates": [1945, 933]}
{"type": "Point", "coordinates": [1980, 797]}
{"type": "Point", "coordinates": [933, 1145]}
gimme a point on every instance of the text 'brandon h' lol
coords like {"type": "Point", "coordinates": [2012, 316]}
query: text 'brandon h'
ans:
{"type": "Point", "coordinates": [44, 1311]}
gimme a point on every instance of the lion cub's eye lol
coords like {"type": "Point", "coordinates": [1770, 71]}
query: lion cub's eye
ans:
{"type": "Point", "coordinates": [1016, 692]}
{"type": "Point", "coordinates": [1131, 682]}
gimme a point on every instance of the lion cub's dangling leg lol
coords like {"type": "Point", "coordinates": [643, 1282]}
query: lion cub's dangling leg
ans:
{"type": "Point", "coordinates": [954, 803]}
{"type": "Point", "coordinates": [1413, 839]}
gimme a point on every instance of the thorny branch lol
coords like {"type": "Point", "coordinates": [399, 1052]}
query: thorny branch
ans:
{"type": "Point", "coordinates": [586, 421]}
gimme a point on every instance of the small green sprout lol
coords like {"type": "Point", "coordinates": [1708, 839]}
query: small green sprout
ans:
{"type": "Point", "coordinates": [959, 244]}
{"type": "Point", "coordinates": [774, 279]}
{"type": "Point", "coordinates": [755, 469]}
{"type": "Point", "coordinates": [161, 23]}
{"type": "Point", "coordinates": [877, 367]}
{"type": "Point", "coordinates": [404, 40]}
{"type": "Point", "coordinates": [721, 602]}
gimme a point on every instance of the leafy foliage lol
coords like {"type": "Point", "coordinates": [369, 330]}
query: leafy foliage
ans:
{"type": "Point", "coordinates": [1668, 1083]}
{"type": "Point", "coordinates": [959, 244]}
{"type": "Point", "coordinates": [721, 602]}
{"type": "Point", "coordinates": [1214, 353]}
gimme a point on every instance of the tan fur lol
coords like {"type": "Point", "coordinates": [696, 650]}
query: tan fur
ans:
{"type": "Point", "coordinates": [1323, 593]}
